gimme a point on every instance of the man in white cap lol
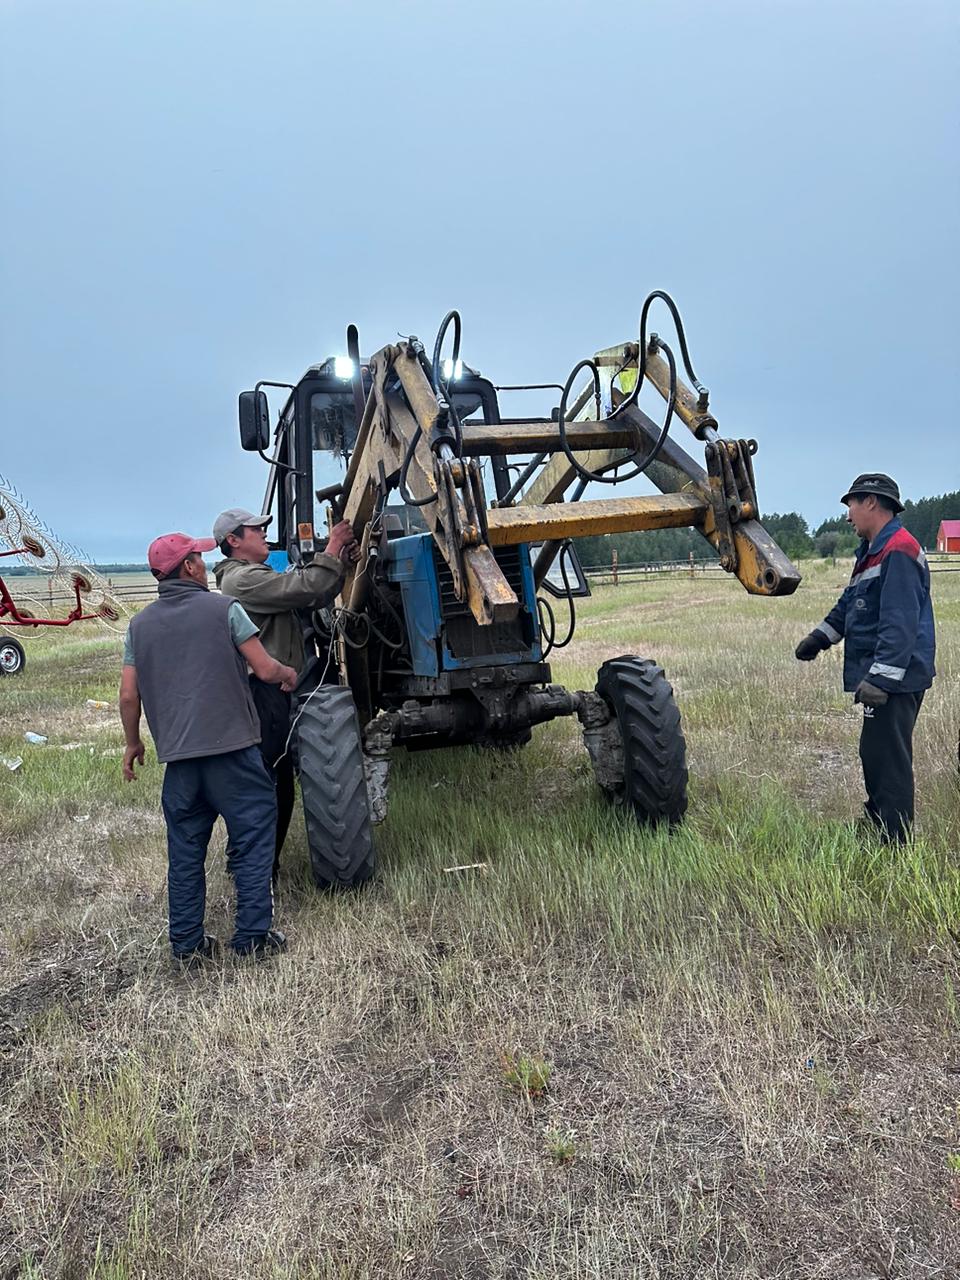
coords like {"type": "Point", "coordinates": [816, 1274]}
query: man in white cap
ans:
{"type": "Point", "coordinates": [272, 600]}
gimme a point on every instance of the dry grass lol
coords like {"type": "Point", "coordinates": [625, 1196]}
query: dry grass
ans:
{"type": "Point", "coordinates": [744, 1037]}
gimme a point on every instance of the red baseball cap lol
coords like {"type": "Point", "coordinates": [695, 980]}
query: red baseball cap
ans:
{"type": "Point", "coordinates": [172, 549]}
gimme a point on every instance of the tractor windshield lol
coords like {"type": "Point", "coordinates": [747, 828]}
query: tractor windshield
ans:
{"type": "Point", "coordinates": [333, 433]}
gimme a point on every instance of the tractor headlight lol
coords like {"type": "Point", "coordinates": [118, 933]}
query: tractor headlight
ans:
{"type": "Point", "coordinates": [343, 367]}
{"type": "Point", "coordinates": [452, 371]}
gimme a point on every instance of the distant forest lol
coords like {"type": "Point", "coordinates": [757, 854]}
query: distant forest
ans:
{"type": "Point", "coordinates": [27, 570]}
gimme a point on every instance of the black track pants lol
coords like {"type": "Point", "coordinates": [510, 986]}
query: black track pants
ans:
{"type": "Point", "coordinates": [273, 708]}
{"type": "Point", "coordinates": [886, 753]}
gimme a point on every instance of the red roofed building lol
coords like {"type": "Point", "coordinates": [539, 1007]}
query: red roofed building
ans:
{"type": "Point", "coordinates": [948, 536]}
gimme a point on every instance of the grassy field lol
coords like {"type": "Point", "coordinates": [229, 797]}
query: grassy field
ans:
{"type": "Point", "coordinates": [727, 1052]}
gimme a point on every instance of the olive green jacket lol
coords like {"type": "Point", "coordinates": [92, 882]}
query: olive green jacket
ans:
{"type": "Point", "coordinates": [270, 599]}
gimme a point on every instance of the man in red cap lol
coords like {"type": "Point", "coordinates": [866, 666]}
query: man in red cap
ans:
{"type": "Point", "coordinates": [185, 662]}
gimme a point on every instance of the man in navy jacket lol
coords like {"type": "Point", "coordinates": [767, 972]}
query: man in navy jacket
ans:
{"type": "Point", "coordinates": [885, 620]}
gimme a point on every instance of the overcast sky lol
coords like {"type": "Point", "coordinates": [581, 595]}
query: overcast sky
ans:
{"type": "Point", "coordinates": [197, 195]}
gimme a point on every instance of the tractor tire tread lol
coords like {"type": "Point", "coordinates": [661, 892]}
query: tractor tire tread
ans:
{"type": "Point", "coordinates": [655, 770]}
{"type": "Point", "coordinates": [333, 787]}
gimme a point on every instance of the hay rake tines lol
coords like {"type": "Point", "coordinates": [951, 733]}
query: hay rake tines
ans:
{"type": "Point", "coordinates": [13, 616]}
{"type": "Point", "coordinates": [22, 530]}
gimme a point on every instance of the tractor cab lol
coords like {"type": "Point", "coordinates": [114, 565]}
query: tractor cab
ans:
{"type": "Point", "coordinates": [315, 436]}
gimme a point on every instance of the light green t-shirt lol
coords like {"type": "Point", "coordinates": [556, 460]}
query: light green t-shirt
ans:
{"type": "Point", "coordinates": [242, 629]}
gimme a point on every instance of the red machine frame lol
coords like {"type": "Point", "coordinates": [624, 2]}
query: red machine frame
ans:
{"type": "Point", "coordinates": [11, 616]}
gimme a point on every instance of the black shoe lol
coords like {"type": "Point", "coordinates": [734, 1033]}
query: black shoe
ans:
{"type": "Point", "coordinates": [271, 943]}
{"type": "Point", "coordinates": [206, 950]}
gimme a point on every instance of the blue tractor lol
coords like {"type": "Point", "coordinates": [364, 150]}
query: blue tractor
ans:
{"type": "Point", "coordinates": [443, 629]}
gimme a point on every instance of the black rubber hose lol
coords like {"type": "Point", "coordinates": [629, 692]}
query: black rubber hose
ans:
{"type": "Point", "coordinates": [454, 318]}
{"type": "Point", "coordinates": [638, 466]}
{"type": "Point", "coordinates": [547, 632]}
{"type": "Point", "coordinates": [441, 387]}
{"type": "Point", "coordinates": [406, 497]}
{"type": "Point", "coordinates": [442, 391]}
{"type": "Point", "coordinates": [564, 557]}
{"type": "Point", "coordinates": [644, 351]}
{"type": "Point", "coordinates": [551, 642]}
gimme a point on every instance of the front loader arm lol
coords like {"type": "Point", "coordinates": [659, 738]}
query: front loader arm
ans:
{"type": "Point", "coordinates": [729, 522]}
{"type": "Point", "coordinates": [408, 439]}
{"type": "Point", "coordinates": [449, 487]}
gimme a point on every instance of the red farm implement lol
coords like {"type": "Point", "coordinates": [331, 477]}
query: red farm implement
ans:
{"type": "Point", "coordinates": [12, 614]}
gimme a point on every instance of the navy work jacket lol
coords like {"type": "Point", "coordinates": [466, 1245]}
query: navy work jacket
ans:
{"type": "Point", "coordinates": [884, 616]}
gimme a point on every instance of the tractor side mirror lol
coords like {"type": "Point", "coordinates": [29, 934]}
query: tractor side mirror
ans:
{"type": "Point", "coordinates": [254, 420]}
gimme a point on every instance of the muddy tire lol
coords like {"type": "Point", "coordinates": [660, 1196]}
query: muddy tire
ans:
{"type": "Point", "coordinates": [654, 782]}
{"type": "Point", "coordinates": [12, 656]}
{"type": "Point", "coordinates": [334, 790]}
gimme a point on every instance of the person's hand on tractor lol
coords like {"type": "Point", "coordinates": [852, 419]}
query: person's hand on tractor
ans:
{"type": "Point", "coordinates": [133, 752]}
{"type": "Point", "coordinates": [811, 645]}
{"type": "Point", "coordinates": [343, 544]}
{"type": "Point", "coordinates": [870, 695]}
{"type": "Point", "coordinates": [289, 680]}
{"type": "Point", "coordinates": [265, 668]}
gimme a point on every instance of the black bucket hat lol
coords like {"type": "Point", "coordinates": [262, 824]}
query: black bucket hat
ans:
{"type": "Point", "coordinates": [878, 484]}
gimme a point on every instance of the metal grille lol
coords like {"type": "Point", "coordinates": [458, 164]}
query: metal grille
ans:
{"type": "Point", "coordinates": [465, 638]}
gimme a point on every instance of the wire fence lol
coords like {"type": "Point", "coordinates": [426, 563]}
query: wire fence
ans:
{"type": "Point", "coordinates": [617, 572]}
{"type": "Point", "coordinates": [612, 574]}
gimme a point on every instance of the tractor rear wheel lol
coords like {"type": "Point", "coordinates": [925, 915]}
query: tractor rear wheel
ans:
{"type": "Point", "coordinates": [654, 778]}
{"type": "Point", "coordinates": [333, 786]}
{"type": "Point", "coordinates": [12, 656]}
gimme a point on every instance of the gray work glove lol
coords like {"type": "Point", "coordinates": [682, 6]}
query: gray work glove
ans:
{"type": "Point", "coordinates": [870, 695]}
{"type": "Point", "coordinates": [811, 645]}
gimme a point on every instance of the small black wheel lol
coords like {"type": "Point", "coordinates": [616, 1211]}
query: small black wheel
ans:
{"type": "Point", "coordinates": [654, 778]}
{"type": "Point", "coordinates": [12, 657]}
{"type": "Point", "coordinates": [333, 785]}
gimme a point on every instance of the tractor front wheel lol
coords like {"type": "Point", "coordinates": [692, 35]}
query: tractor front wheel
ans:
{"type": "Point", "coordinates": [653, 779]}
{"type": "Point", "coordinates": [333, 786]}
{"type": "Point", "coordinates": [12, 656]}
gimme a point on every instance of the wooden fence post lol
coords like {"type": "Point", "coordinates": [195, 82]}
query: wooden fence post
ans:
{"type": "Point", "coordinates": [613, 566]}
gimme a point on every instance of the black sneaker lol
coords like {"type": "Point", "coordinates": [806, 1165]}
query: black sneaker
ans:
{"type": "Point", "coordinates": [271, 943]}
{"type": "Point", "coordinates": [206, 950]}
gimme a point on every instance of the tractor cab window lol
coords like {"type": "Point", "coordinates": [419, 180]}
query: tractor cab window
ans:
{"type": "Point", "coordinates": [333, 420]}
{"type": "Point", "coordinates": [333, 423]}
{"type": "Point", "coordinates": [333, 436]}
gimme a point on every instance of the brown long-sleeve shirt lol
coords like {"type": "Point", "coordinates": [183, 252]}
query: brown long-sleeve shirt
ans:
{"type": "Point", "coordinates": [271, 598]}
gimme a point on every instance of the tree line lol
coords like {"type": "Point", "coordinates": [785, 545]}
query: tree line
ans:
{"type": "Point", "coordinates": [31, 569]}
{"type": "Point", "coordinates": [835, 537]}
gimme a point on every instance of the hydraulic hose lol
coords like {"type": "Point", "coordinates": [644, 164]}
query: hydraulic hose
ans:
{"type": "Point", "coordinates": [441, 389]}
{"type": "Point", "coordinates": [646, 348]}
{"type": "Point", "coordinates": [638, 462]}
{"type": "Point", "coordinates": [548, 620]}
